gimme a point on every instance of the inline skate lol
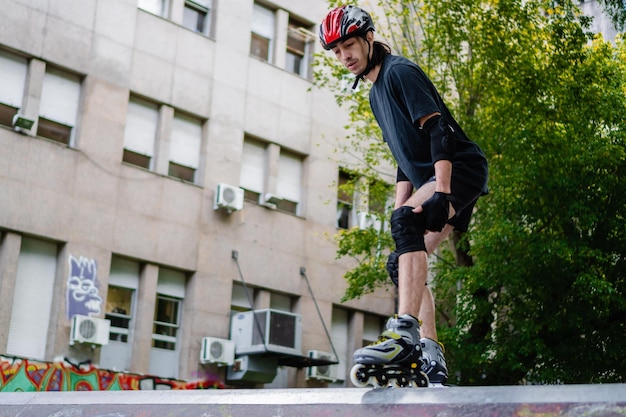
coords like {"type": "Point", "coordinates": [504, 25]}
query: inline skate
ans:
{"type": "Point", "coordinates": [434, 362]}
{"type": "Point", "coordinates": [394, 360]}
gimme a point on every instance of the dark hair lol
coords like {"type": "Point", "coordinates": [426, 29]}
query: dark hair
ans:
{"type": "Point", "coordinates": [380, 51]}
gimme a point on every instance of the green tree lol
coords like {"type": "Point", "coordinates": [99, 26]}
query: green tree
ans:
{"type": "Point", "coordinates": [543, 283]}
{"type": "Point", "coordinates": [616, 9]}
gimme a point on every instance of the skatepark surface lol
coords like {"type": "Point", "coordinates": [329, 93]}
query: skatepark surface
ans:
{"type": "Point", "coordinates": [598, 400]}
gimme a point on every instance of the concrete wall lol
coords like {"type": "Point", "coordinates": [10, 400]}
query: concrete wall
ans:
{"type": "Point", "coordinates": [83, 197]}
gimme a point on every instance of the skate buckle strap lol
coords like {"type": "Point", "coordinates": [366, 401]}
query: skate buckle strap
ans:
{"type": "Point", "coordinates": [386, 335]}
{"type": "Point", "coordinates": [390, 334]}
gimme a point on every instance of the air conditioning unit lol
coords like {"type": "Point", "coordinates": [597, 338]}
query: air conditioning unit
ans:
{"type": "Point", "coordinates": [366, 220]}
{"type": "Point", "coordinates": [323, 372]}
{"type": "Point", "coordinates": [22, 123]}
{"type": "Point", "coordinates": [252, 369]}
{"type": "Point", "coordinates": [228, 197]}
{"type": "Point", "coordinates": [270, 200]}
{"type": "Point", "coordinates": [89, 330]}
{"type": "Point", "coordinates": [219, 351]}
{"type": "Point", "coordinates": [267, 331]}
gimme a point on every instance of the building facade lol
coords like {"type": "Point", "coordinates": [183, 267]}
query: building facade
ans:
{"type": "Point", "coordinates": [165, 165]}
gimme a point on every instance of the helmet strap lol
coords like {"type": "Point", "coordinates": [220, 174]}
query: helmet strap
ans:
{"type": "Point", "coordinates": [368, 67]}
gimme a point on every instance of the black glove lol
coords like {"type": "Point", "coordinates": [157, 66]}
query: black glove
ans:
{"type": "Point", "coordinates": [392, 267]}
{"type": "Point", "coordinates": [437, 211]}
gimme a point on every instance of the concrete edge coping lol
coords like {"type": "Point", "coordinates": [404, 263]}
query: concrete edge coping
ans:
{"type": "Point", "coordinates": [528, 394]}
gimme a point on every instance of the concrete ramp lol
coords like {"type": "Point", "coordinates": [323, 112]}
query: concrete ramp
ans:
{"type": "Point", "coordinates": [523, 401]}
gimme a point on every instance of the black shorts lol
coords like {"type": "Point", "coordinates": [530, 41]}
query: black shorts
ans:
{"type": "Point", "coordinates": [465, 197]}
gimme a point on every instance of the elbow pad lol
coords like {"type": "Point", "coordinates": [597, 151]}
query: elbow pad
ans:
{"type": "Point", "coordinates": [442, 144]}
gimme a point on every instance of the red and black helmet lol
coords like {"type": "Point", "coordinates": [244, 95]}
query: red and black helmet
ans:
{"type": "Point", "coordinates": [342, 23]}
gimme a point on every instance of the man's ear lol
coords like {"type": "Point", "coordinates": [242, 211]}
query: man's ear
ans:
{"type": "Point", "coordinates": [369, 36]}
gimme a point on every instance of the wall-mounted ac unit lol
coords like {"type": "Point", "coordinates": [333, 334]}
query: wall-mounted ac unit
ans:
{"type": "Point", "coordinates": [323, 372]}
{"type": "Point", "coordinates": [228, 197]}
{"type": "Point", "coordinates": [252, 369]}
{"type": "Point", "coordinates": [89, 330]}
{"type": "Point", "coordinates": [270, 200]}
{"type": "Point", "coordinates": [22, 123]}
{"type": "Point", "coordinates": [219, 351]}
{"type": "Point", "coordinates": [267, 331]}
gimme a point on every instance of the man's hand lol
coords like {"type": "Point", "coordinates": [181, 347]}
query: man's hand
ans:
{"type": "Point", "coordinates": [437, 211]}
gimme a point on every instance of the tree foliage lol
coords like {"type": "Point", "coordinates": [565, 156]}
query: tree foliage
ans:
{"type": "Point", "coordinates": [616, 9]}
{"type": "Point", "coordinates": [542, 293]}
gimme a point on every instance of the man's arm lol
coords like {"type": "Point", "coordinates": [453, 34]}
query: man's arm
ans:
{"type": "Point", "coordinates": [443, 167]}
{"type": "Point", "coordinates": [442, 151]}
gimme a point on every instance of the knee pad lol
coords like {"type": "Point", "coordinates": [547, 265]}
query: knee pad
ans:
{"type": "Point", "coordinates": [392, 267]}
{"type": "Point", "coordinates": [407, 230]}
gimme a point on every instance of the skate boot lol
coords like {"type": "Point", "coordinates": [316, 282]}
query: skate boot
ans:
{"type": "Point", "coordinates": [394, 359]}
{"type": "Point", "coordinates": [434, 362]}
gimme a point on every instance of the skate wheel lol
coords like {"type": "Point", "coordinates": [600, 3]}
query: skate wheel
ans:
{"type": "Point", "coordinates": [401, 382]}
{"type": "Point", "coordinates": [422, 380]}
{"type": "Point", "coordinates": [358, 376]}
{"type": "Point", "coordinates": [379, 381]}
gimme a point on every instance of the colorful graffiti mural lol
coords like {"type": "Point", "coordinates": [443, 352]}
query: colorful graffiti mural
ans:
{"type": "Point", "coordinates": [20, 374]}
{"type": "Point", "coordinates": [82, 287]}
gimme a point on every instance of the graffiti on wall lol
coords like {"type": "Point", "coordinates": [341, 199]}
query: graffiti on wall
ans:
{"type": "Point", "coordinates": [19, 374]}
{"type": "Point", "coordinates": [83, 296]}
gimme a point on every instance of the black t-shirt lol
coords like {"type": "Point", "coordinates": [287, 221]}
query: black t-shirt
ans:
{"type": "Point", "coordinates": [401, 95]}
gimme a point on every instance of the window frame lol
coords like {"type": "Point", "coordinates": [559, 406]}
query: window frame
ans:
{"type": "Point", "coordinates": [56, 125]}
{"type": "Point", "coordinates": [345, 200]}
{"type": "Point", "coordinates": [15, 78]}
{"type": "Point", "coordinates": [133, 155]}
{"type": "Point", "coordinates": [206, 8]}
{"type": "Point", "coordinates": [299, 30]}
{"type": "Point", "coordinates": [165, 4]}
{"type": "Point", "coordinates": [123, 333]}
{"type": "Point", "coordinates": [259, 14]}
{"type": "Point", "coordinates": [175, 327]}
{"type": "Point", "coordinates": [187, 133]}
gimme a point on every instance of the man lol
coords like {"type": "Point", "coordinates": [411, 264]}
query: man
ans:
{"type": "Point", "coordinates": [441, 174]}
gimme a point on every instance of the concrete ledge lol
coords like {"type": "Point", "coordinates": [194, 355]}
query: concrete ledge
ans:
{"type": "Point", "coordinates": [565, 400]}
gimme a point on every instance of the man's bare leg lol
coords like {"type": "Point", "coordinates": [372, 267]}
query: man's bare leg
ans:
{"type": "Point", "coordinates": [427, 307]}
{"type": "Point", "coordinates": [412, 273]}
{"type": "Point", "coordinates": [413, 266]}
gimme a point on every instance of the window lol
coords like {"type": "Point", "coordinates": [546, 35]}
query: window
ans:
{"type": "Point", "coordinates": [345, 199]}
{"type": "Point", "coordinates": [340, 335]}
{"type": "Point", "coordinates": [241, 300]}
{"type": "Point", "coordinates": [142, 122]}
{"type": "Point", "coordinates": [185, 143]}
{"type": "Point", "coordinates": [262, 37]}
{"type": "Point", "coordinates": [196, 15]}
{"type": "Point", "coordinates": [170, 293]}
{"type": "Point", "coordinates": [253, 169]}
{"type": "Point", "coordinates": [157, 7]}
{"type": "Point", "coordinates": [299, 49]}
{"type": "Point", "coordinates": [379, 194]}
{"type": "Point", "coordinates": [258, 160]}
{"type": "Point", "coordinates": [58, 108]}
{"type": "Point", "coordinates": [118, 310]}
{"type": "Point", "coordinates": [281, 302]}
{"type": "Point", "coordinates": [12, 82]}
{"type": "Point", "coordinates": [372, 327]}
{"type": "Point", "coordinates": [28, 324]}
{"type": "Point", "coordinates": [289, 184]}
{"type": "Point", "coordinates": [166, 322]}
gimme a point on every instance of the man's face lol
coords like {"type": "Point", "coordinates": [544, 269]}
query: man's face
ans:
{"type": "Point", "coordinates": [352, 53]}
